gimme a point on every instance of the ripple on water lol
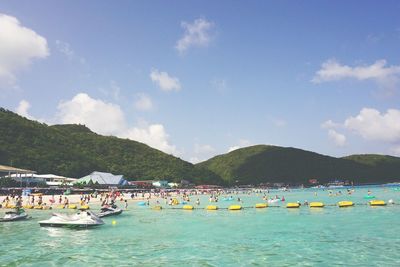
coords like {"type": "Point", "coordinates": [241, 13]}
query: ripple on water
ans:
{"type": "Point", "coordinates": [269, 237]}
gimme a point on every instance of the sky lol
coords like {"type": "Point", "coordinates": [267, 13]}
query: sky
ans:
{"type": "Point", "coordinates": [200, 78]}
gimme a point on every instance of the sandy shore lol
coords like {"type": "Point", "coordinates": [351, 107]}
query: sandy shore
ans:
{"type": "Point", "coordinates": [76, 199]}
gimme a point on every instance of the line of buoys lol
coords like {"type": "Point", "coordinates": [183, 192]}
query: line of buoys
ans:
{"type": "Point", "coordinates": [293, 205]}
{"type": "Point", "coordinates": [316, 205]}
{"type": "Point", "coordinates": [187, 207]}
{"type": "Point", "coordinates": [377, 203]}
{"type": "Point", "coordinates": [235, 207]}
{"type": "Point", "coordinates": [345, 204]}
{"type": "Point", "coordinates": [211, 207]}
{"type": "Point", "coordinates": [290, 205]}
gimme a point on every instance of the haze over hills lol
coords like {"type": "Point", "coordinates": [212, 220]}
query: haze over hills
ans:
{"type": "Point", "coordinates": [74, 150]}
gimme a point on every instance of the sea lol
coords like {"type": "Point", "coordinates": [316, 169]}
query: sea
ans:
{"type": "Point", "coordinates": [275, 236]}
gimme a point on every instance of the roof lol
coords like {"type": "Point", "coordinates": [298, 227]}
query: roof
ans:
{"type": "Point", "coordinates": [103, 178]}
{"type": "Point", "coordinates": [4, 168]}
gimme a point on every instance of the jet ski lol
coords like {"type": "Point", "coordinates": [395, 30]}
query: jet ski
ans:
{"type": "Point", "coordinates": [83, 219]}
{"type": "Point", "coordinates": [109, 211]}
{"type": "Point", "coordinates": [14, 216]}
{"type": "Point", "coordinates": [272, 201]}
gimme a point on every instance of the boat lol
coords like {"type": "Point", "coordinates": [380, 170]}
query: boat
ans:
{"type": "Point", "coordinates": [14, 216]}
{"type": "Point", "coordinates": [272, 201]}
{"type": "Point", "coordinates": [83, 219]}
{"type": "Point", "coordinates": [109, 211]}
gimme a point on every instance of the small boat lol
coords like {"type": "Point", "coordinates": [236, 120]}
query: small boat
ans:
{"type": "Point", "coordinates": [109, 211]}
{"type": "Point", "coordinates": [82, 219]}
{"type": "Point", "coordinates": [14, 216]}
{"type": "Point", "coordinates": [272, 201]}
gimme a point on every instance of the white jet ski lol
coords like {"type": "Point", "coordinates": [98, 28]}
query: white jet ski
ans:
{"type": "Point", "coordinates": [14, 216]}
{"type": "Point", "coordinates": [273, 201]}
{"type": "Point", "coordinates": [83, 219]}
{"type": "Point", "coordinates": [109, 211]}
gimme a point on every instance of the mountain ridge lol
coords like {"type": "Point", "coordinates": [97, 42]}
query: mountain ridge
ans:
{"type": "Point", "coordinates": [74, 150]}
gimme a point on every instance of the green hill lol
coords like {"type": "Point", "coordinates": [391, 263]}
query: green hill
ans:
{"type": "Point", "coordinates": [75, 151]}
{"type": "Point", "coordinates": [262, 164]}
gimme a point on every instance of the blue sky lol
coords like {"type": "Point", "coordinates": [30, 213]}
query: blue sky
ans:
{"type": "Point", "coordinates": [197, 79]}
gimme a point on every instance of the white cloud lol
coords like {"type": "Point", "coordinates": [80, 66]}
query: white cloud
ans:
{"type": "Point", "coordinates": [23, 108]}
{"type": "Point", "coordinates": [195, 160]}
{"type": "Point", "coordinates": [329, 124]}
{"type": "Point", "coordinates": [101, 117]}
{"type": "Point", "coordinates": [386, 76]}
{"type": "Point", "coordinates": [18, 47]}
{"type": "Point", "coordinates": [65, 48]}
{"type": "Point", "coordinates": [153, 135]}
{"type": "Point", "coordinates": [395, 150]}
{"type": "Point", "coordinates": [107, 118]}
{"type": "Point", "coordinates": [337, 138]}
{"type": "Point", "coordinates": [372, 125]}
{"type": "Point", "coordinates": [197, 34]}
{"type": "Point", "coordinates": [143, 102]}
{"type": "Point", "coordinates": [202, 152]}
{"type": "Point", "coordinates": [164, 81]}
{"type": "Point", "coordinates": [202, 149]}
{"type": "Point", "coordinates": [242, 143]}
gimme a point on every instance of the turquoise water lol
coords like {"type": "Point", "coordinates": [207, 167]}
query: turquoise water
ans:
{"type": "Point", "coordinates": [331, 236]}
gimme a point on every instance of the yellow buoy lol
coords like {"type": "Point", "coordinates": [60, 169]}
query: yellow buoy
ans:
{"type": "Point", "coordinates": [316, 205]}
{"type": "Point", "coordinates": [261, 205]}
{"type": "Point", "coordinates": [292, 205]}
{"type": "Point", "coordinates": [114, 222]}
{"type": "Point", "coordinates": [156, 208]}
{"type": "Point", "coordinates": [84, 207]}
{"type": "Point", "coordinates": [377, 203]}
{"type": "Point", "coordinates": [187, 207]}
{"type": "Point", "coordinates": [235, 207]}
{"type": "Point", "coordinates": [38, 207]}
{"type": "Point", "coordinates": [72, 206]}
{"type": "Point", "coordinates": [344, 204]}
{"type": "Point", "coordinates": [212, 207]}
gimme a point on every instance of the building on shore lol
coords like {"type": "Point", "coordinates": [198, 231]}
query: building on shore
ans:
{"type": "Point", "coordinates": [102, 178]}
{"type": "Point", "coordinates": [48, 179]}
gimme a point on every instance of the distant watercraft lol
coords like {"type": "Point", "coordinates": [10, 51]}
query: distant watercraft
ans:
{"type": "Point", "coordinates": [271, 201]}
{"type": "Point", "coordinates": [109, 211]}
{"type": "Point", "coordinates": [14, 216]}
{"type": "Point", "coordinates": [82, 219]}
